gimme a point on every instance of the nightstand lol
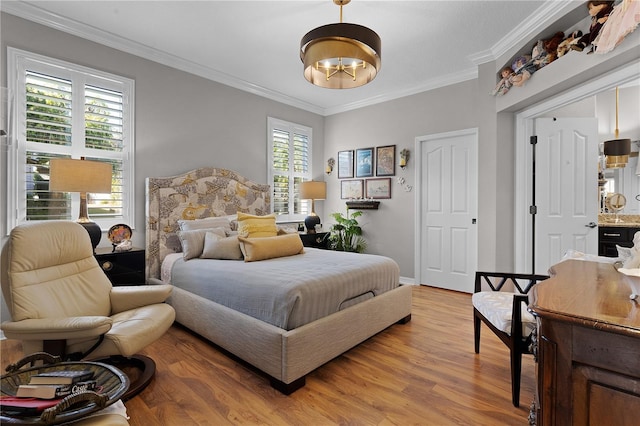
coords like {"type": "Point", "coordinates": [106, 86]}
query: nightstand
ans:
{"type": "Point", "coordinates": [122, 267]}
{"type": "Point", "coordinates": [318, 240]}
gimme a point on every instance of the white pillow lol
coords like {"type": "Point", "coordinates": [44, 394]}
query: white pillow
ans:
{"type": "Point", "coordinates": [233, 220]}
{"type": "Point", "coordinates": [217, 247]}
{"type": "Point", "coordinates": [193, 241]}
{"type": "Point", "coordinates": [631, 259]}
{"type": "Point", "coordinates": [206, 223]}
{"type": "Point", "coordinates": [624, 253]}
{"type": "Point", "coordinates": [282, 229]}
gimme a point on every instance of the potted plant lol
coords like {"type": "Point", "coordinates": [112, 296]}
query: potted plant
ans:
{"type": "Point", "coordinates": [346, 234]}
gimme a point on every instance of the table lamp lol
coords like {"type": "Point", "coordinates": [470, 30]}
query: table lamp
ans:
{"type": "Point", "coordinates": [312, 190]}
{"type": "Point", "coordinates": [70, 175]}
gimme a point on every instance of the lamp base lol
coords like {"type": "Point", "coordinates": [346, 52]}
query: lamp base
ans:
{"type": "Point", "coordinates": [94, 231]}
{"type": "Point", "coordinates": [310, 222]}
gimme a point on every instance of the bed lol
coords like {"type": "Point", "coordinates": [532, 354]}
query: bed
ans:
{"type": "Point", "coordinates": [286, 348]}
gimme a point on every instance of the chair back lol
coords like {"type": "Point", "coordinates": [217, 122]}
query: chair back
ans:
{"type": "Point", "coordinates": [521, 283]}
{"type": "Point", "coordinates": [52, 273]}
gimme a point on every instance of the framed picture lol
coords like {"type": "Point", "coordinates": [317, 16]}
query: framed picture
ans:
{"type": "Point", "coordinates": [364, 162]}
{"type": "Point", "coordinates": [351, 189]}
{"type": "Point", "coordinates": [378, 188]}
{"type": "Point", "coordinates": [345, 164]}
{"type": "Point", "coordinates": [386, 160]}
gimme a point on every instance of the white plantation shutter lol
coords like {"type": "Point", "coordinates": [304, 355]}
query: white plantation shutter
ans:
{"type": "Point", "coordinates": [48, 111]}
{"type": "Point", "coordinates": [68, 111]}
{"type": "Point", "coordinates": [289, 164]}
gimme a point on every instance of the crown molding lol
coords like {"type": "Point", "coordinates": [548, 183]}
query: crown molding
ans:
{"type": "Point", "coordinates": [542, 18]}
{"type": "Point", "coordinates": [464, 75]}
{"type": "Point", "coordinates": [548, 12]}
{"type": "Point", "coordinates": [87, 32]}
{"type": "Point", "coordinates": [483, 57]}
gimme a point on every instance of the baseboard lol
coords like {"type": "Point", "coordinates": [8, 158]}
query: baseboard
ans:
{"type": "Point", "coordinates": [407, 281]}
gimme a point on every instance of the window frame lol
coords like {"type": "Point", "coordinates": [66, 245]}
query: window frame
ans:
{"type": "Point", "coordinates": [291, 128]}
{"type": "Point", "coordinates": [18, 62]}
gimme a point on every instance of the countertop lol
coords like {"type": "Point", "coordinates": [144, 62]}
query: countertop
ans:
{"type": "Point", "coordinates": [628, 220]}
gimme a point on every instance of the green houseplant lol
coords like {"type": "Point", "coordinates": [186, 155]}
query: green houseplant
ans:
{"type": "Point", "coordinates": [346, 233]}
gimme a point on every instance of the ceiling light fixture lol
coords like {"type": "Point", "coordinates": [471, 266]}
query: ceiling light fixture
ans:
{"type": "Point", "coordinates": [617, 150]}
{"type": "Point", "coordinates": [340, 56]}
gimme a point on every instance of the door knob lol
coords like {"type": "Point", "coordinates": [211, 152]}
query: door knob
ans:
{"type": "Point", "coordinates": [591, 225]}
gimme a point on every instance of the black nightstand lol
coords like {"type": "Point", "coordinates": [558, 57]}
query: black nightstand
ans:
{"type": "Point", "coordinates": [318, 240]}
{"type": "Point", "coordinates": [124, 267]}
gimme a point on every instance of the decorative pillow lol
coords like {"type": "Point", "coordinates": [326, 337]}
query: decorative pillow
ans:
{"type": "Point", "coordinates": [206, 223]}
{"type": "Point", "coordinates": [630, 257]}
{"type": "Point", "coordinates": [286, 230]}
{"type": "Point", "coordinates": [193, 241]}
{"type": "Point", "coordinates": [624, 253]}
{"type": "Point", "coordinates": [217, 247]}
{"type": "Point", "coordinates": [252, 226]}
{"type": "Point", "coordinates": [270, 247]}
{"type": "Point", "coordinates": [233, 221]}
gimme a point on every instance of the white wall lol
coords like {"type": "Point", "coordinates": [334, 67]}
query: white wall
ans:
{"type": "Point", "coordinates": [390, 229]}
{"type": "Point", "coordinates": [182, 121]}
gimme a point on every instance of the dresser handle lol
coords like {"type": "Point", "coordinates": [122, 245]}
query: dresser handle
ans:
{"type": "Point", "coordinates": [611, 235]}
{"type": "Point", "coordinates": [107, 266]}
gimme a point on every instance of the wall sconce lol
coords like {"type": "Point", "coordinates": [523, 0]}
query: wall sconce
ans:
{"type": "Point", "coordinates": [331, 162]}
{"type": "Point", "coordinates": [404, 158]}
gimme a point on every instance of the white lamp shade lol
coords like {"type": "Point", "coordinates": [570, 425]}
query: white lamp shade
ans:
{"type": "Point", "coordinates": [313, 190]}
{"type": "Point", "coordinates": [69, 175]}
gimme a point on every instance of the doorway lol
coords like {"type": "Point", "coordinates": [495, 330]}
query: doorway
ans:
{"type": "Point", "coordinates": [566, 195]}
{"type": "Point", "coordinates": [525, 127]}
{"type": "Point", "coordinates": [446, 202]}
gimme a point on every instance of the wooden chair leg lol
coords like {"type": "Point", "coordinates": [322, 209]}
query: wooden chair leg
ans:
{"type": "Point", "coordinates": [516, 369]}
{"type": "Point", "coordinates": [476, 332]}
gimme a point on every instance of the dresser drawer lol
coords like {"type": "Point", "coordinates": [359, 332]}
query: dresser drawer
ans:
{"type": "Point", "coordinates": [614, 234]}
{"type": "Point", "coordinates": [611, 236]}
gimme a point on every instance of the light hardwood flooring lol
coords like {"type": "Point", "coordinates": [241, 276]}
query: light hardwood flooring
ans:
{"type": "Point", "coordinates": [424, 372]}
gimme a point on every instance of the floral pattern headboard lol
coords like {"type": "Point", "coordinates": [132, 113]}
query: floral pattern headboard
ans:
{"type": "Point", "coordinates": [196, 194]}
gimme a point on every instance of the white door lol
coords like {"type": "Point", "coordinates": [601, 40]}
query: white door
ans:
{"type": "Point", "coordinates": [566, 189]}
{"type": "Point", "coordinates": [448, 208]}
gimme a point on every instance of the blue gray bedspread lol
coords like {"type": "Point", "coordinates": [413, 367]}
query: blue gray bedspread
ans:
{"type": "Point", "coordinates": [289, 292]}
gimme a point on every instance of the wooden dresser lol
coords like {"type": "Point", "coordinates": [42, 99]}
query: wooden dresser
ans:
{"type": "Point", "coordinates": [588, 347]}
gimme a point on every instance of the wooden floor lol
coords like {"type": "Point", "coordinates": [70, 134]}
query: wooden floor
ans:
{"type": "Point", "coordinates": [421, 373]}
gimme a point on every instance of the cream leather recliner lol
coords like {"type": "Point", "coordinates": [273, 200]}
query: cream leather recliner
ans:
{"type": "Point", "coordinates": [61, 301]}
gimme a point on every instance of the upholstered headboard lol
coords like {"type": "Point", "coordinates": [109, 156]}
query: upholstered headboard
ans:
{"type": "Point", "coordinates": [196, 194]}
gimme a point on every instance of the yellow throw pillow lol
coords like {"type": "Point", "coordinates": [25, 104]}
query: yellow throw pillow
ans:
{"type": "Point", "coordinates": [252, 226]}
{"type": "Point", "coordinates": [270, 247]}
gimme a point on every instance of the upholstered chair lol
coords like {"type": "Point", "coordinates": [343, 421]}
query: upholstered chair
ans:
{"type": "Point", "coordinates": [500, 300]}
{"type": "Point", "coordinates": [61, 302]}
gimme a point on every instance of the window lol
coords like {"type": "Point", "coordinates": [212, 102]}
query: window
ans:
{"type": "Point", "coordinates": [64, 110]}
{"type": "Point", "coordinates": [289, 164]}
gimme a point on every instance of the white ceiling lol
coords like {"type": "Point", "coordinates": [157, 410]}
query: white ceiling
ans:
{"type": "Point", "coordinates": [254, 45]}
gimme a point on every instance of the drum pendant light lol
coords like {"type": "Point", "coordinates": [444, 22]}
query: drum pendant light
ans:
{"type": "Point", "coordinates": [617, 150]}
{"type": "Point", "coordinates": [340, 56]}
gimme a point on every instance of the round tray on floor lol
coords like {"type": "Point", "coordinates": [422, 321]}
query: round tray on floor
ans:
{"type": "Point", "coordinates": [112, 382]}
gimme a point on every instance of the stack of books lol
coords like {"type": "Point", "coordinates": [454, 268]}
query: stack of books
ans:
{"type": "Point", "coordinates": [45, 390]}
